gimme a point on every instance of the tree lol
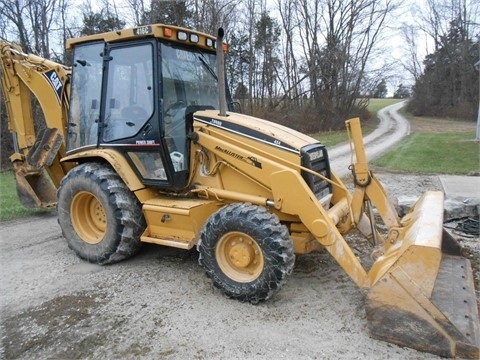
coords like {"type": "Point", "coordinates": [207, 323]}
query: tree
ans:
{"type": "Point", "coordinates": [103, 21]}
{"type": "Point", "coordinates": [340, 38]}
{"type": "Point", "coordinates": [171, 12]}
{"type": "Point", "coordinates": [267, 33]}
{"type": "Point", "coordinates": [411, 62]}
{"type": "Point", "coordinates": [14, 14]}
{"type": "Point", "coordinates": [138, 11]}
{"type": "Point", "coordinates": [380, 90]}
{"type": "Point", "coordinates": [237, 63]}
{"type": "Point", "coordinates": [209, 15]}
{"type": "Point", "coordinates": [290, 82]}
{"type": "Point", "coordinates": [449, 83]}
{"type": "Point", "coordinates": [402, 92]}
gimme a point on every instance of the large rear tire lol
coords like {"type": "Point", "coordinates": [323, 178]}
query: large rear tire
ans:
{"type": "Point", "coordinates": [246, 252]}
{"type": "Point", "coordinates": [100, 218]}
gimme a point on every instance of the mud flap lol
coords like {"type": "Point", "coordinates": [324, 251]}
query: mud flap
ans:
{"type": "Point", "coordinates": [425, 299]}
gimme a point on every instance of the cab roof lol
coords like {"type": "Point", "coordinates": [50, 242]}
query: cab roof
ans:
{"type": "Point", "coordinates": [168, 32]}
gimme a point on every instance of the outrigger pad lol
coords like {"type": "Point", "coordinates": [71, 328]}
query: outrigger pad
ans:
{"type": "Point", "coordinates": [426, 299]}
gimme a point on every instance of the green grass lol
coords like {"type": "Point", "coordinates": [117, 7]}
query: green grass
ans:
{"type": "Point", "coordinates": [440, 153]}
{"type": "Point", "coordinates": [332, 138]}
{"type": "Point", "coordinates": [374, 105]}
{"type": "Point", "coordinates": [10, 206]}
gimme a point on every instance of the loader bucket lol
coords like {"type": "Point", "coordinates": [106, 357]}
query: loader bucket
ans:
{"type": "Point", "coordinates": [422, 294]}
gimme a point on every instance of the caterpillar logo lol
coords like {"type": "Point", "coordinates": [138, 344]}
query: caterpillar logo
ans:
{"type": "Point", "coordinates": [56, 83]}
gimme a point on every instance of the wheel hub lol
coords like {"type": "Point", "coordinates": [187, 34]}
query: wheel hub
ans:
{"type": "Point", "coordinates": [88, 217]}
{"type": "Point", "coordinates": [240, 257]}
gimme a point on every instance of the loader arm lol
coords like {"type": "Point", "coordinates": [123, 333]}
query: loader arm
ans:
{"type": "Point", "coordinates": [37, 148]}
{"type": "Point", "coordinates": [418, 296]}
{"type": "Point", "coordinates": [288, 194]}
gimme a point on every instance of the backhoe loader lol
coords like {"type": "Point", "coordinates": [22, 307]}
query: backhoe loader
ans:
{"type": "Point", "coordinates": [141, 143]}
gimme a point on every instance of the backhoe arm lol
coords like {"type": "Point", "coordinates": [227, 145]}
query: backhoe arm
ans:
{"type": "Point", "coordinates": [37, 147]}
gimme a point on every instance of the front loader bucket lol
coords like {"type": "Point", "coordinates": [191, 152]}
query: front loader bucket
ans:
{"type": "Point", "coordinates": [422, 297]}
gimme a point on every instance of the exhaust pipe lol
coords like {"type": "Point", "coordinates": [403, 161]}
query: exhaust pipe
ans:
{"type": "Point", "coordinates": [222, 93]}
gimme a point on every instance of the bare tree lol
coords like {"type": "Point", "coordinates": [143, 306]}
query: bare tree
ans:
{"type": "Point", "coordinates": [412, 64]}
{"type": "Point", "coordinates": [13, 12]}
{"type": "Point", "coordinates": [339, 37]}
{"type": "Point", "coordinates": [138, 10]}
{"type": "Point", "coordinates": [209, 15]}
{"type": "Point", "coordinates": [308, 17]}
{"type": "Point", "coordinates": [290, 82]}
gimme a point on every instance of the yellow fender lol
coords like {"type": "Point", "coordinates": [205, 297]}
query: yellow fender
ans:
{"type": "Point", "coordinates": [118, 162]}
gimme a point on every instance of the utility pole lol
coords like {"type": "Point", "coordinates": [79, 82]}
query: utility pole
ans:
{"type": "Point", "coordinates": [477, 66]}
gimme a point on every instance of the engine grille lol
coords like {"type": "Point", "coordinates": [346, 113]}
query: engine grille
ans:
{"type": "Point", "coordinates": [315, 157]}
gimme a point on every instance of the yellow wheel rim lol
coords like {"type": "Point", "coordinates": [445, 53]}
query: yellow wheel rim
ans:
{"type": "Point", "coordinates": [88, 217]}
{"type": "Point", "coordinates": [239, 257]}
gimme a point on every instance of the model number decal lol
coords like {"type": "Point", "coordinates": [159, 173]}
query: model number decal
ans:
{"type": "Point", "coordinates": [142, 30]}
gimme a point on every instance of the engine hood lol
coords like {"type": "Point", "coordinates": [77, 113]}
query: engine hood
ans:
{"type": "Point", "coordinates": [257, 129]}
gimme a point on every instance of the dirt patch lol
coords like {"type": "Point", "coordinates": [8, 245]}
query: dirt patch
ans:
{"type": "Point", "coordinates": [49, 324]}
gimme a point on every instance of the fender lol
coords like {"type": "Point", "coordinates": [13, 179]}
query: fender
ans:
{"type": "Point", "coordinates": [118, 162]}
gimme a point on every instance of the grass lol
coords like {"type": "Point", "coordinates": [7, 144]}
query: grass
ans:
{"type": "Point", "coordinates": [439, 153]}
{"type": "Point", "coordinates": [10, 206]}
{"type": "Point", "coordinates": [332, 138]}
{"type": "Point", "coordinates": [374, 105]}
{"type": "Point", "coordinates": [440, 146]}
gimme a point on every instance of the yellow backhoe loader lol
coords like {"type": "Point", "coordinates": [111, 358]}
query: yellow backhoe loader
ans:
{"type": "Point", "coordinates": [140, 143]}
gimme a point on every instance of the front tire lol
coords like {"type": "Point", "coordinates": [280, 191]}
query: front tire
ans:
{"type": "Point", "coordinates": [100, 218]}
{"type": "Point", "coordinates": [246, 252]}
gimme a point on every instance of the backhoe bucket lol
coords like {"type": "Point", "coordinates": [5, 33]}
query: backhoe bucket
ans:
{"type": "Point", "coordinates": [35, 189]}
{"type": "Point", "coordinates": [423, 295]}
{"type": "Point", "coordinates": [34, 185]}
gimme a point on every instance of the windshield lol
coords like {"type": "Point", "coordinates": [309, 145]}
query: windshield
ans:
{"type": "Point", "coordinates": [188, 77]}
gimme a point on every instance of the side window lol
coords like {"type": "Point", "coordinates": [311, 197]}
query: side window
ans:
{"type": "Point", "coordinates": [149, 164]}
{"type": "Point", "coordinates": [85, 96]}
{"type": "Point", "coordinates": [129, 95]}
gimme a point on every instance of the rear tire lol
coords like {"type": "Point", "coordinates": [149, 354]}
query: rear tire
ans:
{"type": "Point", "coordinates": [100, 218]}
{"type": "Point", "coordinates": [246, 252]}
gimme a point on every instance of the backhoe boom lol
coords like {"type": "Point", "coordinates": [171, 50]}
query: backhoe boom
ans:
{"type": "Point", "coordinates": [38, 146]}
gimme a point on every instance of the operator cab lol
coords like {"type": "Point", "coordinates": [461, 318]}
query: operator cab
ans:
{"type": "Point", "coordinates": [138, 97]}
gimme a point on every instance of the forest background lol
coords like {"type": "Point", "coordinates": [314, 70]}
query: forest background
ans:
{"type": "Point", "coordinates": [307, 64]}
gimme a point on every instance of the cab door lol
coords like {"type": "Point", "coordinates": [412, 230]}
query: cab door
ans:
{"type": "Point", "coordinates": [132, 119]}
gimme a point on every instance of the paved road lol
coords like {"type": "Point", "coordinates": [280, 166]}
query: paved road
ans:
{"type": "Point", "coordinates": [392, 128]}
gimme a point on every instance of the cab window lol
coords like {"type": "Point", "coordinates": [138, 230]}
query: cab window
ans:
{"type": "Point", "coordinates": [129, 99]}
